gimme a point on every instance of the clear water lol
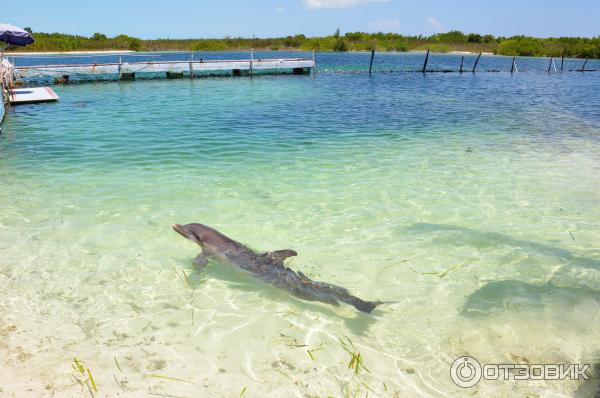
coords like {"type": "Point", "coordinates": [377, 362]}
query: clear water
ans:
{"type": "Point", "coordinates": [471, 202]}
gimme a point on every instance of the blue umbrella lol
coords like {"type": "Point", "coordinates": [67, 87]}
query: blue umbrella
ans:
{"type": "Point", "coordinates": [16, 36]}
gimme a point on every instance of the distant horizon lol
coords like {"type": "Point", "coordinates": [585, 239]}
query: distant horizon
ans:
{"type": "Point", "coordinates": [187, 19]}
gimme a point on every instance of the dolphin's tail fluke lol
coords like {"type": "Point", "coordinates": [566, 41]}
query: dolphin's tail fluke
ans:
{"type": "Point", "coordinates": [327, 292]}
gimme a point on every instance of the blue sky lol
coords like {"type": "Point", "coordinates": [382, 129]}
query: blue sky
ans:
{"type": "Point", "coordinates": [262, 18]}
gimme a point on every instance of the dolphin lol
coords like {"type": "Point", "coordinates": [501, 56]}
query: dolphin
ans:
{"type": "Point", "coordinates": [268, 267]}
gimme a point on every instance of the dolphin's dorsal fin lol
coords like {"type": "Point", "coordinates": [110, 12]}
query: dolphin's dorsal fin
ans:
{"type": "Point", "coordinates": [278, 256]}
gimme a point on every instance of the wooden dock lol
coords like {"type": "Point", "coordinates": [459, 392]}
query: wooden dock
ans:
{"type": "Point", "coordinates": [32, 95]}
{"type": "Point", "coordinates": [170, 69]}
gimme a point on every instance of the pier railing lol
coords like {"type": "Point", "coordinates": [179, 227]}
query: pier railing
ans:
{"type": "Point", "coordinates": [171, 69]}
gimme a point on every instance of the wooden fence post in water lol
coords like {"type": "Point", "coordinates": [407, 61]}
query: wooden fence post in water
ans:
{"type": "Point", "coordinates": [476, 62]}
{"type": "Point", "coordinates": [192, 66]}
{"type": "Point", "coordinates": [562, 61]}
{"type": "Point", "coordinates": [371, 63]}
{"type": "Point", "coordinates": [425, 63]}
{"type": "Point", "coordinates": [584, 64]}
{"type": "Point", "coordinates": [252, 62]}
{"type": "Point", "coordinates": [551, 64]}
{"type": "Point", "coordinates": [314, 63]}
{"type": "Point", "coordinates": [462, 62]}
{"type": "Point", "coordinates": [120, 66]}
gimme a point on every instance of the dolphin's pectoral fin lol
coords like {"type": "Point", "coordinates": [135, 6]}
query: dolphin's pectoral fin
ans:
{"type": "Point", "coordinates": [200, 261]}
{"type": "Point", "coordinates": [278, 256]}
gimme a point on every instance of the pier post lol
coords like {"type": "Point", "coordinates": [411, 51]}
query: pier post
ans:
{"type": "Point", "coordinates": [550, 64]}
{"type": "Point", "coordinates": [371, 63]}
{"type": "Point", "coordinates": [252, 63]}
{"type": "Point", "coordinates": [192, 66]}
{"type": "Point", "coordinates": [513, 67]}
{"type": "Point", "coordinates": [314, 63]}
{"type": "Point", "coordinates": [425, 63]}
{"type": "Point", "coordinates": [562, 61]}
{"type": "Point", "coordinates": [462, 62]}
{"type": "Point", "coordinates": [127, 76]}
{"type": "Point", "coordinates": [584, 64]}
{"type": "Point", "coordinates": [120, 66]}
{"type": "Point", "coordinates": [174, 74]}
{"type": "Point", "coordinates": [476, 62]}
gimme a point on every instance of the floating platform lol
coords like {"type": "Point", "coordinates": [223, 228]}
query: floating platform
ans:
{"type": "Point", "coordinates": [34, 95]}
{"type": "Point", "coordinates": [170, 69]}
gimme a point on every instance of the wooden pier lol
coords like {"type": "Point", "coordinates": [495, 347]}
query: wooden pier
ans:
{"type": "Point", "coordinates": [198, 67]}
{"type": "Point", "coordinates": [169, 69]}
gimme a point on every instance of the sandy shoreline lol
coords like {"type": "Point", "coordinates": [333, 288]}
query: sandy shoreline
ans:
{"type": "Point", "coordinates": [469, 53]}
{"type": "Point", "coordinates": [109, 52]}
{"type": "Point", "coordinates": [70, 52]}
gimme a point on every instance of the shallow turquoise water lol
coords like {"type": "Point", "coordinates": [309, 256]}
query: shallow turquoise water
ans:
{"type": "Point", "coordinates": [472, 202]}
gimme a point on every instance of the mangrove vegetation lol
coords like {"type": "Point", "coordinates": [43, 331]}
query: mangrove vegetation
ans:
{"type": "Point", "coordinates": [351, 41]}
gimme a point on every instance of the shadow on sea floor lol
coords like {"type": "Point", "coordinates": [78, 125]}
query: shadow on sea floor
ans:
{"type": "Point", "coordinates": [590, 388]}
{"type": "Point", "coordinates": [478, 238]}
{"type": "Point", "coordinates": [358, 325]}
{"type": "Point", "coordinates": [515, 295]}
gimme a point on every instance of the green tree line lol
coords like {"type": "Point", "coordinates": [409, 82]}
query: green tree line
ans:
{"type": "Point", "coordinates": [351, 41]}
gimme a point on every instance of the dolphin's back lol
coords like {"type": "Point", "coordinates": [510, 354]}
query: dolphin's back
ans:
{"type": "Point", "coordinates": [269, 267]}
{"type": "Point", "coordinates": [303, 287]}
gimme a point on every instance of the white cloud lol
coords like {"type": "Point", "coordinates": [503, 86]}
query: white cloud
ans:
{"type": "Point", "coordinates": [318, 4]}
{"type": "Point", "coordinates": [279, 9]}
{"type": "Point", "coordinates": [386, 25]}
{"type": "Point", "coordinates": [435, 25]}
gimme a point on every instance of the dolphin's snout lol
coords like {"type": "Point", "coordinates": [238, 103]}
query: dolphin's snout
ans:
{"type": "Point", "coordinates": [187, 231]}
{"type": "Point", "coordinates": [180, 230]}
